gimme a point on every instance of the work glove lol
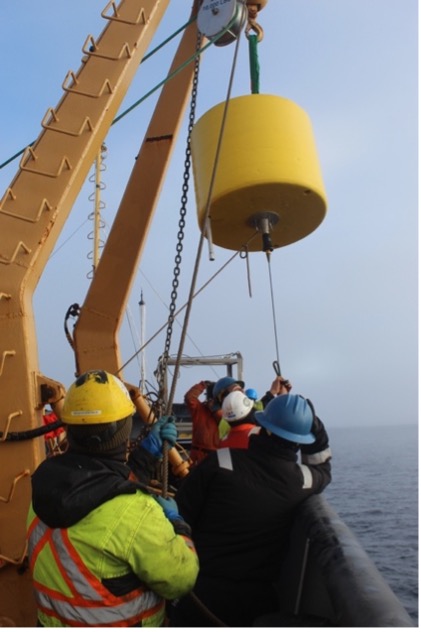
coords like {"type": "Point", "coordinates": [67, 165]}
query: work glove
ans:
{"type": "Point", "coordinates": [170, 508]}
{"type": "Point", "coordinates": [162, 430]}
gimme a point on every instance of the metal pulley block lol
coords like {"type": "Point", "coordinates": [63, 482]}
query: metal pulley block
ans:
{"type": "Point", "coordinates": [222, 16]}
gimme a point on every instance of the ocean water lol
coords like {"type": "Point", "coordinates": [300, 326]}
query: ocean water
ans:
{"type": "Point", "coordinates": [374, 490]}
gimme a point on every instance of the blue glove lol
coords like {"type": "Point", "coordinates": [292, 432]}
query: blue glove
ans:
{"type": "Point", "coordinates": [170, 507]}
{"type": "Point", "coordinates": [162, 430]}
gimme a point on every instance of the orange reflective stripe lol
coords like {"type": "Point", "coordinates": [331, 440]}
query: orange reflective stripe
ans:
{"type": "Point", "coordinates": [188, 541]}
{"type": "Point", "coordinates": [90, 602]}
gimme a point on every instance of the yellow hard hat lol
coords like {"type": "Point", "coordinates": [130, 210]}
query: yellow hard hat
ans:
{"type": "Point", "coordinates": [97, 397]}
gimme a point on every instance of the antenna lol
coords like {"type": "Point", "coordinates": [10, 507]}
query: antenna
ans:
{"type": "Point", "coordinates": [142, 306]}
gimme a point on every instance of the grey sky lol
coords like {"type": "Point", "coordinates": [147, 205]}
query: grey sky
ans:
{"type": "Point", "coordinates": [346, 296]}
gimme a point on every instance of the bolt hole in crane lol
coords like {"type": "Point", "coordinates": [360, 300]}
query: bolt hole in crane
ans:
{"type": "Point", "coordinates": [258, 188]}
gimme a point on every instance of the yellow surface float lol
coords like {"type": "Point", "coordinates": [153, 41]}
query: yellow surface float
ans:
{"type": "Point", "coordinates": [267, 166]}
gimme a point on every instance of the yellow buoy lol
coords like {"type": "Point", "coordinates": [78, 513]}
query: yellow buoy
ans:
{"type": "Point", "coordinates": [266, 166]}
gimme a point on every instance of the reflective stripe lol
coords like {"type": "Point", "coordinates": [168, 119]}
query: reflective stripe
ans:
{"type": "Point", "coordinates": [91, 603]}
{"type": "Point", "coordinates": [224, 459]}
{"type": "Point", "coordinates": [35, 533]}
{"type": "Point", "coordinates": [318, 458]}
{"type": "Point", "coordinates": [97, 614]}
{"type": "Point", "coordinates": [307, 475]}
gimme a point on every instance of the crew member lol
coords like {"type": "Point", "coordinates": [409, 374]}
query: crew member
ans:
{"type": "Point", "coordinates": [205, 416]}
{"type": "Point", "coordinates": [240, 505]}
{"type": "Point", "coordinates": [227, 385]}
{"type": "Point", "coordinates": [238, 410]}
{"type": "Point", "coordinates": [102, 550]}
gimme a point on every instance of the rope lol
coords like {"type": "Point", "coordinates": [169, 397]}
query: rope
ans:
{"type": "Point", "coordinates": [161, 83]}
{"type": "Point", "coordinates": [245, 255]}
{"type": "Point", "coordinates": [273, 314]}
{"type": "Point", "coordinates": [198, 257]}
{"type": "Point", "coordinates": [148, 94]}
{"type": "Point", "coordinates": [179, 311]}
{"type": "Point", "coordinates": [179, 248]}
{"type": "Point", "coordinates": [197, 262]}
{"type": "Point", "coordinates": [202, 236]}
{"type": "Point", "coordinates": [218, 623]}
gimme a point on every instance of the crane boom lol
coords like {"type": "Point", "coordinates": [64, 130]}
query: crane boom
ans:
{"type": "Point", "coordinates": [96, 330]}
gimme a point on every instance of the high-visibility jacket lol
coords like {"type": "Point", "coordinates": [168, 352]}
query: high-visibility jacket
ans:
{"type": "Point", "coordinates": [114, 567]}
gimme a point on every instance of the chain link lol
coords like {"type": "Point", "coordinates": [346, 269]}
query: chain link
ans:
{"type": "Point", "coordinates": [180, 235]}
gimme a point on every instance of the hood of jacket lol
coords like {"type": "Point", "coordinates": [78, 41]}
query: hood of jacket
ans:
{"type": "Point", "coordinates": [68, 487]}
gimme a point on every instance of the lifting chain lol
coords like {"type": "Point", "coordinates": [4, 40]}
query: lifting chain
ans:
{"type": "Point", "coordinates": [162, 396]}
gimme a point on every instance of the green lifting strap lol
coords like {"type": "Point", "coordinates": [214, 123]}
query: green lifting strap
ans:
{"type": "Point", "coordinates": [254, 64]}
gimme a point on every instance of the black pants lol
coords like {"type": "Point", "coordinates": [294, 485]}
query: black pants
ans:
{"type": "Point", "coordinates": [218, 603]}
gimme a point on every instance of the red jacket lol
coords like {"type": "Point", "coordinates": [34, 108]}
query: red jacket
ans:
{"type": "Point", "coordinates": [205, 436]}
{"type": "Point", "coordinates": [49, 418]}
{"type": "Point", "coordinates": [239, 436]}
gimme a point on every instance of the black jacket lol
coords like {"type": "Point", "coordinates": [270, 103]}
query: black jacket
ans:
{"type": "Point", "coordinates": [69, 486]}
{"type": "Point", "coordinates": [240, 517]}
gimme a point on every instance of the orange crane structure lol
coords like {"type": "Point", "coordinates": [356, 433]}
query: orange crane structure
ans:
{"type": "Point", "coordinates": [33, 211]}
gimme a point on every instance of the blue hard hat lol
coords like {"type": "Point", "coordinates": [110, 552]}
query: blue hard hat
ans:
{"type": "Point", "coordinates": [224, 383]}
{"type": "Point", "coordinates": [288, 416]}
{"type": "Point", "coordinates": [252, 393]}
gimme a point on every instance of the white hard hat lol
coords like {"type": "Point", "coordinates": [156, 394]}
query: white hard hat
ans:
{"type": "Point", "coordinates": [236, 406]}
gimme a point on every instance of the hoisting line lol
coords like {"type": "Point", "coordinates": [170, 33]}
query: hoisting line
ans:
{"type": "Point", "coordinates": [275, 329]}
{"type": "Point", "coordinates": [175, 282]}
{"type": "Point", "coordinates": [178, 311]}
{"type": "Point", "coordinates": [255, 88]}
{"type": "Point", "coordinates": [195, 273]}
{"type": "Point", "coordinates": [148, 94]}
{"type": "Point", "coordinates": [202, 235]}
{"type": "Point", "coordinates": [264, 222]}
{"type": "Point", "coordinates": [196, 57]}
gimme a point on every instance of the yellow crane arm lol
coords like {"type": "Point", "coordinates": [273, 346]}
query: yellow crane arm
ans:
{"type": "Point", "coordinates": [33, 212]}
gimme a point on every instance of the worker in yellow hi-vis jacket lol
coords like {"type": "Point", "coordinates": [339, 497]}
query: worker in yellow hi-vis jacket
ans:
{"type": "Point", "coordinates": [103, 551]}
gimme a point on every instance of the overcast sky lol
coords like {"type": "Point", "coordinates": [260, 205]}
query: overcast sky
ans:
{"type": "Point", "coordinates": [345, 296]}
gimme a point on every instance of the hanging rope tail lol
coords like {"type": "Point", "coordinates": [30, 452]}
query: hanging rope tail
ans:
{"type": "Point", "coordinates": [254, 64]}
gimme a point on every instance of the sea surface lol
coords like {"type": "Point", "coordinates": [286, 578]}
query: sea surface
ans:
{"type": "Point", "coordinates": [374, 490]}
